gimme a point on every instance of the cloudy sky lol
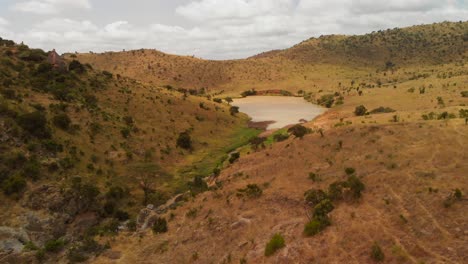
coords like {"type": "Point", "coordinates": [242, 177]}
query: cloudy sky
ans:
{"type": "Point", "coordinates": [213, 29]}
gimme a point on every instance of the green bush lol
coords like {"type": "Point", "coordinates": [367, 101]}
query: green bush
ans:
{"type": "Point", "coordinates": [360, 110]}
{"type": "Point", "coordinates": [160, 226]}
{"type": "Point", "coordinates": [350, 171]}
{"type": "Point", "coordinates": [234, 110]}
{"type": "Point", "coordinates": [298, 131]}
{"type": "Point", "coordinates": [335, 190]}
{"type": "Point", "coordinates": [251, 191]}
{"type": "Point", "coordinates": [382, 110]}
{"type": "Point", "coordinates": [315, 226]}
{"type": "Point", "coordinates": [377, 253]}
{"type": "Point", "coordinates": [326, 100]}
{"type": "Point", "coordinates": [184, 141]}
{"type": "Point", "coordinates": [54, 245]}
{"type": "Point", "coordinates": [234, 157]}
{"type": "Point", "coordinates": [62, 121]}
{"type": "Point", "coordinates": [314, 197]}
{"type": "Point", "coordinates": [13, 184]}
{"type": "Point", "coordinates": [356, 186]}
{"type": "Point", "coordinates": [322, 209]}
{"type": "Point", "coordinates": [77, 67]}
{"type": "Point", "coordinates": [277, 242]}
{"type": "Point", "coordinates": [464, 94]}
{"type": "Point", "coordinates": [35, 123]}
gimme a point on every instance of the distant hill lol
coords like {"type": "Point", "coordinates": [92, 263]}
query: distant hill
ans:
{"type": "Point", "coordinates": [418, 45]}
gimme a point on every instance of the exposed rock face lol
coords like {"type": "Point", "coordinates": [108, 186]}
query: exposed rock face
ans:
{"type": "Point", "coordinates": [56, 61]}
{"type": "Point", "coordinates": [12, 240]}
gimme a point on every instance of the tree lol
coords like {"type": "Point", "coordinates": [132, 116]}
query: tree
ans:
{"type": "Point", "coordinates": [35, 123]}
{"type": "Point", "coordinates": [77, 67]}
{"type": "Point", "coordinates": [160, 225]}
{"type": "Point", "coordinates": [184, 141]}
{"type": "Point", "coordinates": [276, 243]}
{"type": "Point", "coordinates": [234, 110]}
{"type": "Point", "coordinates": [360, 110]}
{"type": "Point", "coordinates": [377, 253]}
{"type": "Point", "coordinates": [62, 121]}
{"type": "Point", "coordinates": [298, 131]}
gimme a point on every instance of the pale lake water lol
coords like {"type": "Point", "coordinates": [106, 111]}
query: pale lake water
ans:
{"type": "Point", "coordinates": [280, 109]}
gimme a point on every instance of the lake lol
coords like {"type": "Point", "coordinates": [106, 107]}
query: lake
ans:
{"type": "Point", "coordinates": [281, 110]}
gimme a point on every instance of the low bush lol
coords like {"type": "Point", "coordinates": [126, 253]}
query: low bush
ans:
{"type": "Point", "coordinates": [184, 141]}
{"type": "Point", "coordinates": [314, 197]}
{"type": "Point", "coordinates": [315, 226]}
{"type": "Point", "coordinates": [35, 123]}
{"type": "Point", "coordinates": [299, 131]}
{"type": "Point", "coordinates": [13, 184]}
{"type": "Point", "coordinates": [251, 191]}
{"type": "Point", "coordinates": [327, 100]}
{"type": "Point", "coordinates": [234, 157]}
{"type": "Point", "coordinates": [382, 110]}
{"type": "Point", "coordinates": [160, 226]}
{"type": "Point", "coordinates": [277, 242]}
{"type": "Point", "coordinates": [54, 245]}
{"type": "Point", "coordinates": [62, 121]}
{"type": "Point", "coordinates": [360, 110]}
{"type": "Point", "coordinates": [377, 253]}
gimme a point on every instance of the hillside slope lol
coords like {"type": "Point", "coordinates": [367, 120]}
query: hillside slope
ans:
{"type": "Point", "coordinates": [68, 134]}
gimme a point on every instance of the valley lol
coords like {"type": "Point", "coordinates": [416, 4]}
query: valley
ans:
{"type": "Point", "coordinates": [145, 157]}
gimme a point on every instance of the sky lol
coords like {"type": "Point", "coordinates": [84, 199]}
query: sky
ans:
{"type": "Point", "coordinates": [210, 29]}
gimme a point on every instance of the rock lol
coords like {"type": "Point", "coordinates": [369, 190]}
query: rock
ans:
{"type": "Point", "coordinates": [144, 217]}
{"type": "Point", "coordinates": [242, 222]}
{"type": "Point", "coordinates": [12, 240]}
{"type": "Point", "coordinates": [110, 254]}
{"type": "Point", "coordinates": [150, 207]}
{"type": "Point", "coordinates": [44, 227]}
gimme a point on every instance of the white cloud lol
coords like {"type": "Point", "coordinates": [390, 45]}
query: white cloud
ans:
{"type": "Point", "coordinates": [233, 9]}
{"type": "Point", "coordinates": [44, 7]}
{"type": "Point", "coordinates": [237, 28]}
{"type": "Point", "coordinates": [3, 22]}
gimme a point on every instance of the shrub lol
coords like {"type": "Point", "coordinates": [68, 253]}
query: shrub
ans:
{"type": "Point", "coordinates": [326, 100]}
{"type": "Point", "coordinates": [251, 191]}
{"type": "Point", "coordinates": [32, 170]}
{"type": "Point", "coordinates": [280, 137]}
{"type": "Point", "coordinates": [276, 243]}
{"type": "Point", "coordinates": [218, 100]}
{"type": "Point", "coordinates": [62, 121]}
{"type": "Point", "coordinates": [8, 93]}
{"type": "Point", "coordinates": [335, 190]}
{"type": "Point", "coordinates": [13, 184]}
{"type": "Point", "coordinates": [322, 209]}
{"type": "Point", "coordinates": [35, 123]}
{"type": "Point", "coordinates": [198, 185]}
{"type": "Point", "coordinates": [350, 171]}
{"type": "Point", "coordinates": [248, 93]}
{"type": "Point", "coordinates": [360, 110]}
{"type": "Point", "coordinates": [356, 186]}
{"type": "Point", "coordinates": [234, 110]}
{"type": "Point", "coordinates": [298, 131]}
{"type": "Point", "coordinates": [314, 197]}
{"type": "Point", "coordinates": [382, 110]}
{"type": "Point", "coordinates": [257, 141]}
{"type": "Point", "coordinates": [125, 132]}
{"type": "Point", "coordinates": [77, 67]}
{"type": "Point", "coordinates": [54, 245]}
{"type": "Point", "coordinates": [184, 141]}
{"type": "Point", "coordinates": [464, 94]}
{"type": "Point", "coordinates": [377, 253]}
{"type": "Point", "coordinates": [160, 226]}
{"type": "Point", "coordinates": [234, 157]}
{"type": "Point", "coordinates": [315, 226]}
